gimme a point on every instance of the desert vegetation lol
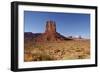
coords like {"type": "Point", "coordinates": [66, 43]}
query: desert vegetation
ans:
{"type": "Point", "coordinates": [65, 50]}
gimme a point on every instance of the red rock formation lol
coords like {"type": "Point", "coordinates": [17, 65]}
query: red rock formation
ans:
{"type": "Point", "coordinates": [50, 34]}
{"type": "Point", "coordinates": [50, 27]}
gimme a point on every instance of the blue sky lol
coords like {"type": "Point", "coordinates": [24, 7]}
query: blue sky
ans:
{"type": "Point", "coordinates": [67, 24]}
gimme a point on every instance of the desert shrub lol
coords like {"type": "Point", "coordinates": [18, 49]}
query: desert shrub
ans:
{"type": "Point", "coordinates": [28, 57]}
{"type": "Point", "coordinates": [41, 57]}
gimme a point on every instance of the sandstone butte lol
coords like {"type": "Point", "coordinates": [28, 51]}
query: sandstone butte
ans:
{"type": "Point", "coordinates": [50, 34]}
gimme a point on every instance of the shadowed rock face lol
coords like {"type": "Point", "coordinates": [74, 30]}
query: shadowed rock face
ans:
{"type": "Point", "coordinates": [50, 34]}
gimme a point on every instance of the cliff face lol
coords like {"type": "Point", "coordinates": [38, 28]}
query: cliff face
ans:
{"type": "Point", "coordinates": [50, 27]}
{"type": "Point", "coordinates": [50, 34]}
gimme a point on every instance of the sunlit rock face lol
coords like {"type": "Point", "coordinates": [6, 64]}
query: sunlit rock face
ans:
{"type": "Point", "coordinates": [50, 27]}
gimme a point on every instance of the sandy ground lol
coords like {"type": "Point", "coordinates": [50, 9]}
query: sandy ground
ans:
{"type": "Point", "coordinates": [65, 50]}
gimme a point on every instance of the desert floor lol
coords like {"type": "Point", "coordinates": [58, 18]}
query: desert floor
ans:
{"type": "Point", "coordinates": [65, 50]}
